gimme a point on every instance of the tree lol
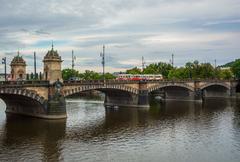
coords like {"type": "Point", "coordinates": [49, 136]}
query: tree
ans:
{"type": "Point", "coordinates": [31, 76]}
{"type": "Point", "coordinates": [109, 76]}
{"type": "Point", "coordinates": [90, 75]}
{"type": "Point", "coordinates": [226, 74]}
{"type": "Point", "coordinates": [134, 70]}
{"type": "Point", "coordinates": [178, 73]}
{"type": "Point", "coordinates": [27, 77]}
{"type": "Point", "coordinates": [68, 73]}
{"type": "Point", "coordinates": [158, 68]}
{"type": "Point", "coordinates": [236, 68]}
{"type": "Point", "coordinates": [206, 70]}
{"type": "Point", "coordinates": [151, 69]}
{"type": "Point", "coordinates": [36, 76]}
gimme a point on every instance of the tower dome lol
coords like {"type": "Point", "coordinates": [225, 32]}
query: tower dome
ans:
{"type": "Point", "coordinates": [52, 55]}
{"type": "Point", "coordinates": [18, 60]}
{"type": "Point", "coordinates": [18, 68]}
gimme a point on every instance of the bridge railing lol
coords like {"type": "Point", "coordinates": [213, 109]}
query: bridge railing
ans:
{"type": "Point", "coordinates": [100, 82]}
{"type": "Point", "coordinates": [24, 83]}
{"type": "Point", "coordinates": [113, 81]}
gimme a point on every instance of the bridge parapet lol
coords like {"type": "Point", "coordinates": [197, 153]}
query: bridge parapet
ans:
{"type": "Point", "coordinates": [24, 83]}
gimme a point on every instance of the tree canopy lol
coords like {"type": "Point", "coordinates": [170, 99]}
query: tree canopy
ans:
{"type": "Point", "coordinates": [191, 70]}
{"type": "Point", "coordinates": [87, 75]}
{"type": "Point", "coordinates": [236, 68]}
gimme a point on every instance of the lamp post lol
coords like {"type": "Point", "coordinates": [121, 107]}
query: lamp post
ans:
{"type": "Point", "coordinates": [102, 54]}
{"type": "Point", "coordinates": [4, 61]}
{"type": "Point", "coordinates": [143, 63]}
{"type": "Point", "coordinates": [35, 66]}
{"type": "Point", "coordinates": [73, 63]}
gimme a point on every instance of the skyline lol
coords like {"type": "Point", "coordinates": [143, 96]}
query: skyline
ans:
{"type": "Point", "coordinates": [190, 29]}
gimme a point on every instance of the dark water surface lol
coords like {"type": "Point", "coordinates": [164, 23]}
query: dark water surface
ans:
{"type": "Point", "coordinates": [174, 131]}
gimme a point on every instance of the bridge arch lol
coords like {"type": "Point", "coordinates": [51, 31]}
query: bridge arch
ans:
{"type": "Point", "coordinates": [22, 92]}
{"type": "Point", "coordinates": [215, 90]}
{"type": "Point", "coordinates": [156, 87]}
{"type": "Point", "coordinates": [78, 89]}
{"type": "Point", "coordinates": [215, 84]}
{"type": "Point", "coordinates": [23, 101]}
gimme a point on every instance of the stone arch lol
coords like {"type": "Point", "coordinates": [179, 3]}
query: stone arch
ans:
{"type": "Point", "coordinates": [99, 87]}
{"type": "Point", "coordinates": [215, 84]}
{"type": "Point", "coordinates": [23, 92]}
{"type": "Point", "coordinates": [156, 87]}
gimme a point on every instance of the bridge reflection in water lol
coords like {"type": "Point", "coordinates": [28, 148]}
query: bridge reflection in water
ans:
{"type": "Point", "coordinates": [94, 133]}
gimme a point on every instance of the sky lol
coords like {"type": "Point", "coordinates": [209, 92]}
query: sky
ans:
{"type": "Point", "coordinates": [202, 30]}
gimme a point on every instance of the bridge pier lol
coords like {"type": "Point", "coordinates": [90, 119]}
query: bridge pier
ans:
{"type": "Point", "coordinates": [127, 100]}
{"type": "Point", "coordinates": [116, 98]}
{"type": "Point", "coordinates": [52, 109]}
{"type": "Point", "coordinates": [56, 107]}
{"type": "Point", "coordinates": [198, 95]}
{"type": "Point", "coordinates": [46, 103]}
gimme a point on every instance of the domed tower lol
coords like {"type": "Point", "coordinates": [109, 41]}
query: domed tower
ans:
{"type": "Point", "coordinates": [18, 68]}
{"type": "Point", "coordinates": [52, 66]}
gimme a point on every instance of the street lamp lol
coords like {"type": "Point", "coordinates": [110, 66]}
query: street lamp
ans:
{"type": "Point", "coordinates": [102, 54]}
{"type": "Point", "coordinates": [73, 63]}
{"type": "Point", "coordinates": [4, 61]}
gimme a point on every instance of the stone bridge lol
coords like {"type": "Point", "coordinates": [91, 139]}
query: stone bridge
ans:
{"type": "Point", "coordinates": [47, 100]}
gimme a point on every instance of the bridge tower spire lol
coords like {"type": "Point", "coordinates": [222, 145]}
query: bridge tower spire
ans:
{"type": "Point", "coordinates": [18, 68]}
{"type": "Point", "coordinates": [52, 66]}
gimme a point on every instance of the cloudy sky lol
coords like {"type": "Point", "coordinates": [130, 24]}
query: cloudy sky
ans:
{"type": "Point", "coordinates": [191, 29]}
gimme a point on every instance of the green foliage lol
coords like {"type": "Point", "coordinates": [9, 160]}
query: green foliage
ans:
{"type": "Point", "coordinates": [68, 73]}
{"type": "Point", "coordinates": [178, 73]}
{"type": "Point", "coordinates": [191, 70]}
{"type": "Point", "coordinates": [32, 76]}
{"type": "Point", "coordinates": [134, 70]}
{"type": "Point", "coordinates": [109, 76]}
{"type": "Point", "coordinates": [229, 64]}
{"type": "Point", "coordinates": [158, 68]}
{"type": "Point", "coordinates": [27, 78]}
{"type": "Point", "coordinates": [87, 75]}
{"type": "Point", "coordinates": [236, 68]}
{"type": "Point", "coordinates": [226, 74]}
{"type": "Point", "coordinates": [90, 75]}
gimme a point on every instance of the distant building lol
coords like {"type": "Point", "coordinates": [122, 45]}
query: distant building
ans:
{"type": "Point", "coordinates": [18, 68]}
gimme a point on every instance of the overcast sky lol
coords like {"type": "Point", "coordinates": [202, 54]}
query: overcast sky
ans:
{"type": "Point", "coordinates": [191, 29]}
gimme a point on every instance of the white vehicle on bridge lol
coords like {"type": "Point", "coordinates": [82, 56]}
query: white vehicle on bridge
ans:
{"type": "Point", "coordinates": [139, 77]}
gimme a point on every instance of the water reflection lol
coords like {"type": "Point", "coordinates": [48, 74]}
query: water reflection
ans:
{"type": "Point", "coordinates": [40, 139]}
{"type": "Point", "coordinates": [170, 131]}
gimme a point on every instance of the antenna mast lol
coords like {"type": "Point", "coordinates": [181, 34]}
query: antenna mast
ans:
{"type": "Point", "coordinates": [143, 63]}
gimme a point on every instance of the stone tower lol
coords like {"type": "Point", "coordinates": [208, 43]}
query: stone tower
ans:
{"type": "Point", "coordinates": [52, 66]}
{"type": "Point", "coordinates": [18, 68]}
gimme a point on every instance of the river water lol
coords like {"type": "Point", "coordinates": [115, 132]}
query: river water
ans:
{"type": "Point", "coordinates": [174, 131]}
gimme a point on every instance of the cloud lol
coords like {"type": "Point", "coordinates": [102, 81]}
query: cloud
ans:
{"type": "Point", "coordinates": [130, 29]}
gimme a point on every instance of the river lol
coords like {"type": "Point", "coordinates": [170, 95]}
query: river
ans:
{"type": "Point", "coordinates": [175, 131]}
